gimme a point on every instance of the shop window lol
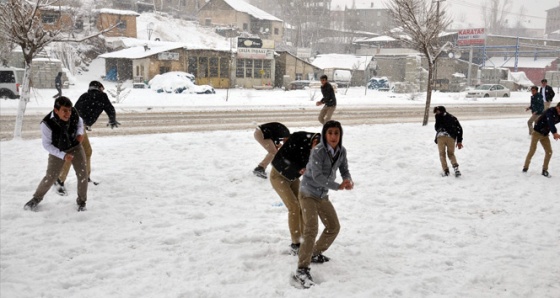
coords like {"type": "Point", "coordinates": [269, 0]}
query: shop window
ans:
{"type": "Point", "coordinates": [214, 66]}
{"type": "Point", "coordinates": [224, 68]}
{"type": "Point", "coordinates": [202, 67]}
{"type": "Point", "coordinates": [240, 70]}
{"type": "Point", "coordinates": [192, 67]}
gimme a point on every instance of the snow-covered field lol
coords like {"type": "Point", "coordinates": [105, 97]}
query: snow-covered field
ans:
{"type": "Point", "coordinates": [181, 215]}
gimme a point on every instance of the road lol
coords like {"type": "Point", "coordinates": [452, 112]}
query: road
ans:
{"type": "Point", "coordinates": [155, 122]}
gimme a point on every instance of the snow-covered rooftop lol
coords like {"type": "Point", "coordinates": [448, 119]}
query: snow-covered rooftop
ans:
{"type": "Point", "coordinates": [257, 13]}
{"type": "Point", "coordinates": [523, 62]}
{"type": "Point", "coordinates": [118, 12]}
{"type": "Point", "coordinates": [358, 4]}
{"type": "Point", "coordinates": [341, 61]}
{"type": "Point", "coordinates": [383, 38]}
{"type": "Point", "coordinates": [140, 52]}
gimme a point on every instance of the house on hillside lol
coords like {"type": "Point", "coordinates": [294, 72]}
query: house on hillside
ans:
{"type": "Point", "coordinates": [126, 20]}
{"type": "Point", "coordinates": [290, 68]}
{"type": "Point", "coordinates": [242, 15]}
{"type": "Point", "coordinates": [367, 16]}
{"type": "Point", "coordinates": [534, 67]}
{"type": "Point", "coordinates": [56, 17]}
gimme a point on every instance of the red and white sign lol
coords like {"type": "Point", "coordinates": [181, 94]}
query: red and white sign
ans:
{"type": "Point", "coordinates": [469, 37]}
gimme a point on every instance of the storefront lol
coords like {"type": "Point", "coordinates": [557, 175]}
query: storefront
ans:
{"type": "Point", "coordinates": [254, 67]}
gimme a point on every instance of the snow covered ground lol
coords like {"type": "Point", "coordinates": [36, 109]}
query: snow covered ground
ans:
{"type": "Point", "coordinates": [181, 215]}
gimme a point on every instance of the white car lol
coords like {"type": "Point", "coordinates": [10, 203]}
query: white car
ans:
{"type": "Point", "coordinates": [10, 82]}
{"type": "Point", "coordinates": [178, 82]}
{"type": "Point", "coordinates": [489, 90]}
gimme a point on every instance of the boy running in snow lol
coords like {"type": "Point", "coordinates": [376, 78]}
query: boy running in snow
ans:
{"type": "Point", "coordinates": [448, 130]}
{"type": "Point", "coordinates": [545, 124]}
{"type": "Point", "coordinates": [269, 135]}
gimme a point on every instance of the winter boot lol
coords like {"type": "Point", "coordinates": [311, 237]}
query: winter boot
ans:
{"type": "Point", "coordinates": [545, 173]}
{"type": "Point", "coordinates": [81, 205]}
{"type": "Point", "coordinates": [303, 277]}
{"type": "Point", "coordinates": [259, 172]}
{"type": "Point", "coordinates": [60, 188]}
{"type": "Point", "coordinates": [445, 173]}
{"type": "Point", "coordinates": [525, 170]}
{"type": "Point", "coordinates": [457, 172]}
{"type": "Point", "coordinates": [319, 259]}
{"type": "Point", "coordinates": [31, 205]}
{"type": "Point", "coordinates": [294, 249]}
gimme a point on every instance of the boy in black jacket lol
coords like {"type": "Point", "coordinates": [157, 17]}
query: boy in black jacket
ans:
{"type": "Point", "coordinates": [448, 131]}
{"type": "Point", "coordinates": [287, 166]}
{"type": "Point", "coordinates": [62, 133]}
{"type": "Point", "coordinates": [269, 135]}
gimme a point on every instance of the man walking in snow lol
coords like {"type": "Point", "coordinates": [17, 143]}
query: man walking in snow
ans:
{"type": "Point", "coordinates": [448, 131]}
{"type": "Point", "coordinates": [547, 93]}
{"type": "Point", "coordinates": [328, 100]}
{"type": "Point", "coordinates": [58, 84]}
{"type": "Point", "coordinates": [90, 105]}
{"type": "Point", "coordinates": [545, 124]}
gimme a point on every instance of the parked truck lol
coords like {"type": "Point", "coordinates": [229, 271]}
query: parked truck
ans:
{"type": "Point", "coordinates": [342, 77]}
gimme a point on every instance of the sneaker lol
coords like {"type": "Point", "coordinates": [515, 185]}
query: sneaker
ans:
{"type": "Point", "coordinates": [294, 249]}
{"type": "Point", "coordinates": [259, 172]}
{"type": "Point", "coordinates": [445, 172]}
{"type": "Point", "coordinates": [319, 259]}
{"type": "Point", "coordinates": [60, 188]}
{"type": "Point", "coordinates": [81, 205]}
{"type": "Point", "coordinates": [303, 277]}
{"type": "Point", "coordinates": [525, 170]}
{"type": "Point", "coordinates": [31, 205]}
{"type": "Point", "coordinates": [545, 173]}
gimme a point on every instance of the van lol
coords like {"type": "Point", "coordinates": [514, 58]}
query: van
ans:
{"type": "Point", "coordinates": [10, 82]}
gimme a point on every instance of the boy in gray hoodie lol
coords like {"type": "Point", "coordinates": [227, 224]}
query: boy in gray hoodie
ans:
{"type": "Point", "coordinates": [326, 159]}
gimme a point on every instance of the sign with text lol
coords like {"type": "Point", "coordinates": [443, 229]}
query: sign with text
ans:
{"type": "Point", "coordinates": [168, 56]}
{"type": "Point", "coordinates": [244, 42]}
{"type": "Point", "coordinates": [469, 37]}
{"type": "Point", "coordinates": [249, 53]}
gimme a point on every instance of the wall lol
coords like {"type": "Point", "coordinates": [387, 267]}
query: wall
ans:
{"type": "Point", "coordinates": [107, 20]}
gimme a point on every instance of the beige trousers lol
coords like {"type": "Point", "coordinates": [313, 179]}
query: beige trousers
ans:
{"type": "Point", "coordinates": [55, 164]}
{"type": "Point", "coordinates": [326, 113]}
{"type": "Point", "coordinates": [545, 142]}
{"type": "Point", "coordinates": [288, 192]}
{"type": "Point", "coordinates": [531, 121]}
{"type": "Point", "coordinates": [88, 151]}
{"type": "Point", "coordinates": [446, 144]}
{"type": "Point", "coordinates": [313, 209]}
{"type": "Point", "coordinates": [268, 145]}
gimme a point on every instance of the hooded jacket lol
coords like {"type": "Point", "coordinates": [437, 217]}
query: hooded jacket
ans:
{"type": "Point", "coordinates": [275, 131]}
{"type": "Point", "coordinates": [294, 154]}
{"type": "Point", "coordinates": [449, 124]}
{"type": "Point", "coordinates": [320, 173]}
{"type": "Point", "coordinates": [92, 103]}
{"type": "Point", "coordinates": [547, 121]}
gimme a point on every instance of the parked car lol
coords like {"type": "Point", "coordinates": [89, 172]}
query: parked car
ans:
{"type": "Point", "coordinates": [10, 82]}
{"type": "Point", "coordinates": [381, 84]}
{"type": "Point", "coordinates": [299, 84]}
{"type": "Point", "coordinates": [489, 90]}
{"type": "Point", "coordinates": [178, 82]}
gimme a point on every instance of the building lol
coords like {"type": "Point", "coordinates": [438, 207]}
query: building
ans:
{"type": "Point", "coordinates": [361, 67]}
{"type": "Point", "coordinates": [552, 20]}
{"type": "Point", "coordinates": [367, 16]}
{"type": "Point", "coordinates": [243, 16]}
{"type": "Point", "coordinates": [56, 17]}
{"type": "Point", "coordinates": [125, 20]}
{"type": "Point", "coordinates": [290, 68]}
{"type": "Point", "coordinates": [254, 63]}
{"type": "Point", "coordinates": [535, 68]}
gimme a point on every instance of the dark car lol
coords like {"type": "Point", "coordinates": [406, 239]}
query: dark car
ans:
{"type": "Point", "coordinates": [299, 84]}
{"type": "Point", "coordinates": [381, 84]}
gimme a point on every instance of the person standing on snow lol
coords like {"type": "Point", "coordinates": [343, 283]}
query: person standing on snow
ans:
{"type": "Point", "coordinates": [545, 124]}
{"type": "Point", "coordinates": [90, 105]}
{"type": "Point", "coordinates": [287, 166]}
{"type": "Point", "coordinates": [536, 107]}
{"type": "Point", "coordinates": [62, 134]}
{"type": "Point", "coordinates": [326, 159]}
{"type": "Point", "coordinates": [58, 84]}
{"type": "Point", "coordinates": [329, 100]}
{"type": "Point", "coordinates": [547, 93]}
{"type": "Point", "coordinates": [269, 135]}
{"type": "Point", "coordinates": [448, 131]}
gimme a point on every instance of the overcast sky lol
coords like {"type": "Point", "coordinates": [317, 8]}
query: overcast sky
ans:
{"type": "Point", "coordinates": [469, 11]}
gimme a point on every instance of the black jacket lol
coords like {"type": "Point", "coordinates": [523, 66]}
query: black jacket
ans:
{"type": "Point", "coordinates": [448, 123]}
{"type": "Point", "coordinates": [274, 131]}
{"type": "Point", "coordinates": [294, 154]}
{"type": "Point", "coordinates": [58, 81]}
{"type": "Point", "coordinates": [547, 121]}
{"type": "Point", "coordinates": [92, 103]}
{"type": "Point", "coordinates": [548, 93]}
{"type": "Point", "coordinates": [63, 133]}
{"type": "Point", "coordinates": [329, 99]}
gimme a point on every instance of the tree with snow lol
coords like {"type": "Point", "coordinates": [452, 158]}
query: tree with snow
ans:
{"type": "Point", "coordinates": [421, 23]}
{"type": "Point", "coordinates": [21, 24]}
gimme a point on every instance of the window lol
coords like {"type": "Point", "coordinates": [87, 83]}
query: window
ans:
{"type": "Point", "coordinates": [121, 24]}
{"type": "Point", "coordinates": [214, 66]}
{"type": "Point", "coordinates": [163, 69]}
{"type": "Point", "coordinates": [202, 67]}
{"type": "Point", "coordinates": [299, 76]}
{"type": "Point", "coordinates": [276, 31]}
{"type": "Point", "coordinates": [49, 18]}
{"type": "Point", "coordinates": [224, 68]}
{"type": "Point", "coordinates": [208, 22]}
{"type": "Point", "coordinates": [192, 67]}
{"type": "Point", "coordinates": [137, 70]}
{"type": "Point", "coordinates": [245, 27]}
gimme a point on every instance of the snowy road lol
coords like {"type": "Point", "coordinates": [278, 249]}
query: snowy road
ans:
{"type": "Point", "coordinates": [150, 122]}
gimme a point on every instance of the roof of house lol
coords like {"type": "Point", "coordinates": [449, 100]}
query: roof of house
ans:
{"type": "Point", "coordinates": [140, 52]}
{"type": "Point", "coordinates": [118, 12]}
{"type": "Point", "coordinates": [342, 61]}
{"type": "Point", "coordinates": [522, 62]}
{"type": "Point", "coordinates": [245, 7]}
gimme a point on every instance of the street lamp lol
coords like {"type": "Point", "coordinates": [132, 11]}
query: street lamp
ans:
{"type": "Point", "coordinates": [150, 28]}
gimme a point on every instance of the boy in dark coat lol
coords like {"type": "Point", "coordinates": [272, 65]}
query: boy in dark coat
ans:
{"type": "Point", "coordinates": [62, 133]}
{"type": "Point", "coordinates": [287, 166]}
{"type": "Point", "coordinates": [58, 84]}
{"type": "Point", "coordinates": [448, 131]}
{"type": "Point", "coordinates": [536, 107]}
{"type": "Point", "coordinates": [545, 125]}
{"type": "Point", "coordinates": [329, 100]}
{"type": "Point", "coordinates": [269, 135]}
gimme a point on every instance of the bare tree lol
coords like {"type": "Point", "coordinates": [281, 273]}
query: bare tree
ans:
{"type": "Point", "coordinates": [21, 24]}
{"type": "Point", "coordinates": [421, 23]}
{"type": "Point", "coordinates": [495, 15]}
